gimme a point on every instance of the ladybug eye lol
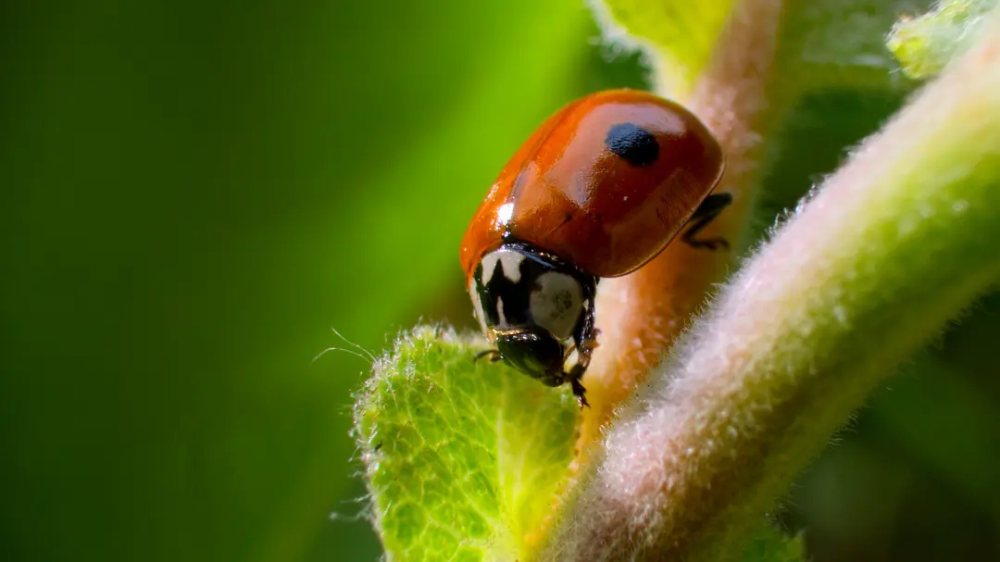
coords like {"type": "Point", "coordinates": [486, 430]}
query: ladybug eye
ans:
{"type": "Point", "coordinates": [635, 145]}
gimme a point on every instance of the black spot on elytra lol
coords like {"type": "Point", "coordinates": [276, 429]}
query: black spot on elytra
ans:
{"type": "Point", "coordinates": [635, 145]}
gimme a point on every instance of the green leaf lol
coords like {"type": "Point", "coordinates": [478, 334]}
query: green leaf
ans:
{"type": "Point", "coordinates": [771, 545]}
{"type": "Point", "coordinates": [821, 43]}
{"type": "Point", "coordinates": [681, 34]}
{"type": "Point", "coordinates": [825, 44]}
{"type": "Point", "coordinates": [464, 459]}
{"type": "Point", "coordinates": [924, 45]}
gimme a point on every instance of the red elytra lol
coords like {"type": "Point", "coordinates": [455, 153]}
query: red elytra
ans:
{"type": "Point", "coordinates": [567, 192]}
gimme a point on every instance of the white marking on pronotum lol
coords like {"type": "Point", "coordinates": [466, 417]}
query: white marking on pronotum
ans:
{"type": "Point", "coordinates": [510, 260]}
{"type": "Point", "coordinates": [477, 307]}
{"type": "Point", "coordinates": [557, 304]}
{"type": "Point", "coordinates": [502, 324]}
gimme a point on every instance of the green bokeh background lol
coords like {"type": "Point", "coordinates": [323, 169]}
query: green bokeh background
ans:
{"type": "Point", "coordinates": [194, 194]}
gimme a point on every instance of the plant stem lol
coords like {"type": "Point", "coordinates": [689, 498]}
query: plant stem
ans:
{"type": "Point", "coordinates": [642, 313]}
{"type": "Point", "coordinates": [894, 245]}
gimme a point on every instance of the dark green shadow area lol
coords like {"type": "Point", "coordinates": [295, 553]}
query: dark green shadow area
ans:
{"type": "Point", "coordinates": [193, 194]}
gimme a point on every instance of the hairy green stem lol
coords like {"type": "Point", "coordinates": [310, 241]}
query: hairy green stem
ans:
{"type": "Point", "coordinates": [642, 313]}
{"type": "Point", "coordinates": [891, 248]}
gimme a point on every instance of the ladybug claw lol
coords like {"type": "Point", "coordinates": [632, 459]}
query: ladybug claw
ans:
{"type": "Point", "coordinates": [580, 392]}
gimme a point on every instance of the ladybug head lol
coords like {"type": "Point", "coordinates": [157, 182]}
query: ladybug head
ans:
{"type": "Point", "coordinates": [536, 353]}
{"type": "Point", "coordinates": [532, 306]}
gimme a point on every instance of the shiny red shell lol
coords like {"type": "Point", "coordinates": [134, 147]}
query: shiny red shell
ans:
{"type": "Point", "coordinates": [566, 192]}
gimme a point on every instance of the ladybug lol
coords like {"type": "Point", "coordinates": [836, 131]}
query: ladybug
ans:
{"type": "Point", "coordinates": [597, 191]}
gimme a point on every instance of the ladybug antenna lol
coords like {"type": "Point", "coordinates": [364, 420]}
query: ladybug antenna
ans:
{"type": "Point", "coordinates": [351, 351]}
{"type": "Point", "coordinates": [365, 354]}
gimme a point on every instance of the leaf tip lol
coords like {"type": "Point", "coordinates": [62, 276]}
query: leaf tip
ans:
{"type": "Point", "coordinates": [925, 44]}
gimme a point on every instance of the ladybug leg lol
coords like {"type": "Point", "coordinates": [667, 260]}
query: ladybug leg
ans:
{"type": "Point", "coordinates": [584, 350]}
{"type": "Point", "coordinates": [493, 354]}
{"type": "Point", "coordinates": [575, 374]}
{"type": "Point", "coordinates": [585, 338]}
{"type": "Point", "coordinates": [704, 214]}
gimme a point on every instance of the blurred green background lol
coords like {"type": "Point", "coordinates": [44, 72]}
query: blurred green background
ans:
{"type": "Point", "coordinates": [194, 194]}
